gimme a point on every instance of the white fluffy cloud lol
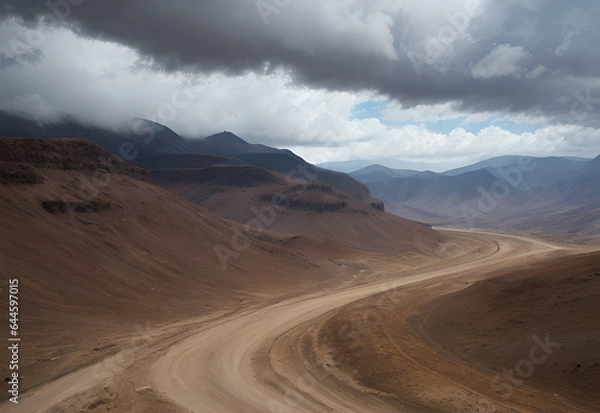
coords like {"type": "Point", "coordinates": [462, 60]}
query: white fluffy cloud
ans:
{"type": "Point", "coordinates": [417, 143]}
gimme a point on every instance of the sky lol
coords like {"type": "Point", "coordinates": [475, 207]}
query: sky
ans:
{"type": "Point", "coordinates": [437, 81]}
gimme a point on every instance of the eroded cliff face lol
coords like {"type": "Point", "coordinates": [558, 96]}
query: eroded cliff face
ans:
{"type": "Point", "coordinates": [19, 174]}
{"type": "Point", "coordinates": [20, 157]}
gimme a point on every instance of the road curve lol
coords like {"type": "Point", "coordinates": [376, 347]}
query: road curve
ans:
{"type": "Point", "coordinates": [213, 371]}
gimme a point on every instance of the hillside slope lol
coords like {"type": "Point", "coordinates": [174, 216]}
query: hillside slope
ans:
{"type": "Point", "coordinates": [494, 324]}
{"type": "Point", "coordinates": [99, 252]}
{"type": "Point", "coordinates": [256, 196]}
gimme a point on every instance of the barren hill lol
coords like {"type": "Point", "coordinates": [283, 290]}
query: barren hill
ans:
{"type": "Point", "coordinates": [496, 323]}
{"type": "Point", "coordinates": [294, 205]}
{"type": "Point", "coordinates": [99, 252]}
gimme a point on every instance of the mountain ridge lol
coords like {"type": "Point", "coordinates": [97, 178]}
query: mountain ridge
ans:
{"type": "Point", "coordinates": [550, 195]}
{"type": "Point", "coordinates": [144, 139]}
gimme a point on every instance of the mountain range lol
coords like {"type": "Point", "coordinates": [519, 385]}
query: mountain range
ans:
{"type": "Point", "coordinates": [146, 139]}
{"type": "Point", "coordinates": [542, 195]}
{"type": "Point", "coordinates": [252, 184]}
{"type": "Point", "coordinates": [224, 174]}
{"type": "Point", "coordinates": [109, 229]}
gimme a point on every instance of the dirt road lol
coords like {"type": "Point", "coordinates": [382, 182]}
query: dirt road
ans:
{"type": "Point", "coordinates": [217, 370]}
{"type": "Point", "coordinates": [226, 365]}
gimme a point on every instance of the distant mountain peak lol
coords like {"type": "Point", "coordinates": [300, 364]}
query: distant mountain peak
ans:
{"type": "Point", "coordinates": [594, 164]}
{"type": "Point", "coordinates": [225, 138]}
{"type": "Point", "coordinates": [372, 168]}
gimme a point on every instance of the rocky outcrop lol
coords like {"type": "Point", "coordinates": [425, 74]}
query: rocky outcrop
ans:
{"type": "Point", "coordinates": [64, 207]}
{"type": "Point", "coordinates": [65, 154]}
{"type": "Point", "coordinates": [300, 204]}
{"type": "Point", "coordinates": [19, 174]}
{"type": "Point", "coordinates": [378, 206]}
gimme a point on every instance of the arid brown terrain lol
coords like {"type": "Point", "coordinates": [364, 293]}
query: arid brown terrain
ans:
{"type": "Point", "coordinates": [523, 341]}
{"type": "Point", "coordinates": [105, 258]}
{"type": "Point", "coordinates": [134, 299]}
{"type": "Point", "coordinates": [277, 206]}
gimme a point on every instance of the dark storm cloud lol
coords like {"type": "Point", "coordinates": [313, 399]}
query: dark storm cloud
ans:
{"type": "Point", "coordinates": [450, 55]}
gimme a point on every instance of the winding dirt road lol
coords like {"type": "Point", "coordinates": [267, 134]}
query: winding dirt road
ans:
{"type": "Point", "coordinates": [216, 369]}
{"type": "Point", "coordinates": [228, 364]}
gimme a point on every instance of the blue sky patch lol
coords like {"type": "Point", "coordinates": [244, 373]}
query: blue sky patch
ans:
{"type": "Point", "coordinates": [369, 109]}
{"type": "Point", "coordinates": [373, 109]}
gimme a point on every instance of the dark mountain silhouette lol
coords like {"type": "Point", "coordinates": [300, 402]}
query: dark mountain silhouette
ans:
{"type": "Point", "coordinates": [225, 138]}
{"type": "Point", "coordinates": [138, 139]}
{"type": "Point", "coordinates": [283, 161]}
{"type": "Point", "coordinates": [229, 144]}
{"type": "Point", "coordinates": [152, 145]}
{"type": "Point", "coordinates": [173, 161]}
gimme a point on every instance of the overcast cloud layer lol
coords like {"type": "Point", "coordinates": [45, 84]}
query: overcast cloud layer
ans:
{"type": "Point", "coordinates": [459, 80]}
